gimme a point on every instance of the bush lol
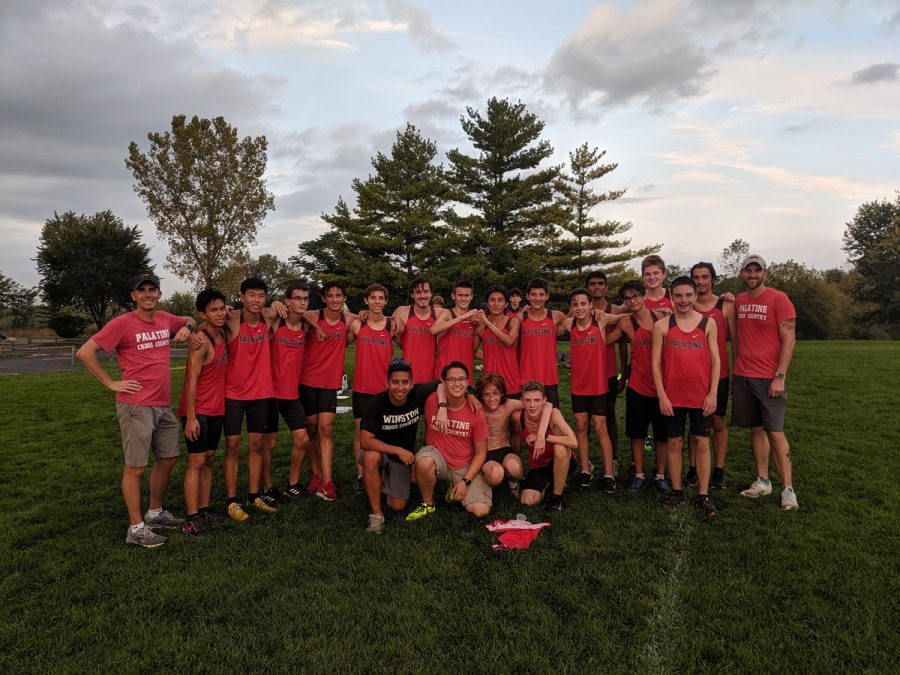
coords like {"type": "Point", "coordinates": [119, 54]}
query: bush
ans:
{"type": "Point", "coordinates": [68, 325]}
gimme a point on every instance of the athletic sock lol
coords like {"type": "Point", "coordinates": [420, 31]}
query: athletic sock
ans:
{"type": "Point", "coordinates": [137, 528]}
{"type": "Point", "coordinates": [154, 512]}
{"type": "Point", "coordinates": [659, 476]}
{"type": "Point", "coordinates": [231, 500]}
{"type": "Point", "coordinates": [252, 497]}
{"type": "Point", "coordinates": [639, 475]}
{"type": "Point", "coordinates": [607, 475]}
{"type": "Point", "coordinates": [764, 480]}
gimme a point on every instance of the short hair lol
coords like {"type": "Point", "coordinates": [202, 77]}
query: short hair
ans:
{"type": "Point", "coordinates": [420, 281]}
{"type": "Point", "coordinates": [488, 379]}
{"type": "Point", "coordinates": [453, 364]}
{"type": "Point", "coordinates": [295, 286]}
{"type": "Point", "coordinates": [206, 297]}
{"type": "Point", "coordinates": [579, 291]}
{"type": "Point", "coordinates": [652, 260]}
{"type": "Point", "coordinates": [533, 385]}
{"type": "Point", "coordinates": [596, 274]}
{"type": "Point", "coordinates": [515, 291]}
{"type": "Point", "coordinates": [539, 283]}
{"type": "Point", "coordinates": [399, 366]}
{"type": "Point", "coordinates": [496, 289]}
{"type": "Point", "coordinates": [437, 300]}
{"type": "Point", "coordinates": [372, 288]}
{"type": "Point", "coordinates": [461, 283]}
{"type": "Point", "coordinates": [683, 281]}
{"type": "Point", "coordinates": [333, 284]}
{"type": "Point", "coordinates": [634, 286]}
{"type": "Point", "coordinates": [255, 284]}
{"type": "Point", "coordinates": [707, 265]}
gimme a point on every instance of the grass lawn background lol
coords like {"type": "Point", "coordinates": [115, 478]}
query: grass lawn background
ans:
{"type": "Point", "coordinates": [617, 582]}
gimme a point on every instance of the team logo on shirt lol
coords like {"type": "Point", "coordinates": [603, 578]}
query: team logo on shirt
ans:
{"type": "Point", "coordinates": [751, 310]}
{"type": "Point", "coordinates": [400, 420]}
{"type": "Point", "coordinates": [150, 339]}
{"type": "Point", "coordinates": [454, 427]}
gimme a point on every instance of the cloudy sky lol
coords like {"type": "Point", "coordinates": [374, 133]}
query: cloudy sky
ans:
{"type": "Point", "coordinates": [761, 119]}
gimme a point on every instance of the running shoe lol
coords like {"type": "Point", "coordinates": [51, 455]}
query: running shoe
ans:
{"type": "Point", "coordinates": [585, 478]}
{"type": "Point", "coordinates": [717, 480]}
{"type": "Point", "coordinates": [514, 489]}
{"type": "Point", "coordinates": [269, 499]}
{"type": "Point", "coordinates": [327, 492]}
{"type": "Point", "coordinates": [376, 523]}
{"type": "Point", "coordinates": [163, 519]}
{"type": "Point", "coordinates": [608, 485]}
{"type": "Point", "coordinates": [210, 516]}
{"type": "Point", "coordinates": [759, 488]}
{"type": "Point", "coordinates": [144, 537]}
{"type": "Point", "coordinates": [276, 494]}
{"type": "Point", "coordinates": [690, 478]}
{"type": "Point", "coordinates": [789, 499]}
{"type": "Point", "coordinates": [260, 504]}
{"type": "Point", "coordinates": [420, 511]}
{"type": "Point", "coordinates": [294, 491]}
{"type": "Point", "coordinates": [673, 499]}
{"type": "Point", "coordinates": [637, 484]}
{"type": "Point", "coordinates": [235, 512]}
{"type": "Point", "coordinates": [709, 509]}
{"type": "Point", "coordinates": [314, 485]}
{"type": "Point", "coordinates": [663, 486]}
{"type": "Point", "coordinates": [556, 503]}
{"type": "Point", "coordinates": [194, 527]}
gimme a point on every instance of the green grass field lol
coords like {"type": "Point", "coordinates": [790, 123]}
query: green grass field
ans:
{"type": "Point", "coordinates": [616, 583]}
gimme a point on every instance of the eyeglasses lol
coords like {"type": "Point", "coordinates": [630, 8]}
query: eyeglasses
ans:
{"type": "Point", "coordinates": [456, 380]}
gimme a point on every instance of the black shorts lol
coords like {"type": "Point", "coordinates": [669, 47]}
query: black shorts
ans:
{"type": "Point", "coordinates": [642, 412]}
{"type": "Point", "coordinates": [611, 396]}
{"type": "Point", "coordinates": [542, 478]}
{"type": "Point", "coordinates": [700, 424]}
{"type": "Point", "coordinates": [552, 393]}
{"type": "Point", "coordinates": [291, 411]}
{"type": "Point", "coordinates": [753, 407]}
{"type": "Point", "coordinates": [210, 434]}
{"type": "Point", "coordinates": [722, 397]}
{"type": "Point", "coordinates": [595, 405]}
{"type": "Point", "coordinates": [316, 400]}
{"type": "Point", "coordinates": [499, 454]}
{"type": "Point", "coordinates": [360, 401]}
{"type": "Point", "coordinates": [256, 410]}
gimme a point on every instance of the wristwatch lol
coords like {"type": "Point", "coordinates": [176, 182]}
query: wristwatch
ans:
{"type": "Point", "coordinates": [442, 404]}
{"type": "Point", "coordinates": [467, 481]}
{"type": "Point", "coordinates": [779, 375]}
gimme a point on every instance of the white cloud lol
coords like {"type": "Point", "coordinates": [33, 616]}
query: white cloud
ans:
{"type": "Point", "coordinates": [419, 25]}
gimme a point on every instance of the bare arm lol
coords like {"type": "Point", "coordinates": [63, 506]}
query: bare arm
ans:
{"type": "Point", "coordinates": [195, 361]}
{"type": "Point", "coordinates": [508, 339]}
{"type": "Point", "coordinates": [445, 320]}
{"type": "Point", "coordinates": [788, 334]}
{"type": "Point", "coordinates": [709, 403]}
{"type": "Point", "coordinates": [564, 434]}
{"type": "Point", "coordinates": [87, 353]}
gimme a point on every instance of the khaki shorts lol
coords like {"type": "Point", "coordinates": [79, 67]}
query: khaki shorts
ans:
{"type": "Point", "coordinates": [479, 492]}
{"type": "Point", "coordinates": [146, 428]}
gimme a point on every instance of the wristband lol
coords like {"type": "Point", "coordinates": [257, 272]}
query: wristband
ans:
{"type": "Point", "coordinates": [442, 404]}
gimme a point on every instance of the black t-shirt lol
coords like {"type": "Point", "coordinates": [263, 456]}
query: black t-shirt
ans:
{"type": "Point", "coordinates": [397, 424]}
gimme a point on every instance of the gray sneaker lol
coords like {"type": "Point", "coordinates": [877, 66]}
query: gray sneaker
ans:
{"type": "Point", "coordinates": [757, 489]}
{"type": "Point", "coordinates": [164, 519]}
{"type": "Point", "coordinates": [376, 523]}
{"type": "Point", "coordinates": [145, 537]}
{"type": "Point", "coordinates": [789, 499]}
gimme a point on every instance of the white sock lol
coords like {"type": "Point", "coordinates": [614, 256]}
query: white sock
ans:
{"type": "Point", "coordinates": [137, 528]}
{"type": "Point", "coordinates": [154, 512]}
{"type": "Point", "coordinates": [639, 475]}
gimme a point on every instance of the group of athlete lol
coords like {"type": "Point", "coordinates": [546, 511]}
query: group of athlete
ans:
{"type": "Point", "coordinates": [259, 365]}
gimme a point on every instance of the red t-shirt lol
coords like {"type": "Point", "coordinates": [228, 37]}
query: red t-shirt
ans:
{"type": "Point", "coordinates": [457, 444]}
{"type": "Point", "coordinates": [686, 364]}
{"type": "Point", "coordinates": [210, 396]}
{"type": "Point", "coordinates": [373, 356]}
{"type": "Point", "coordinates": [323, 364]}
{"type": "Point", "coordinates": [142, 348]}
{"type": "Point", "coordinates": [288, 347]}
{"type": "Point", "coordinates": [248, 375]}
{"type": "Point", "coordinates": [501, 360]}
{"type": "Point", "coordinates": [588, 350]}
{"type": "Point", "coordinates": [759, 342]}
{"type": "Point", "coordinates": [715, 313]}
{"type": "Point", "coordinates": [418, 345]}
{"type": "Point", "coordinates": [641, 378]}
{"type": "Point", "coordinates": [457, 344]}
{"type": "Point", "coordinates": [537, 350]}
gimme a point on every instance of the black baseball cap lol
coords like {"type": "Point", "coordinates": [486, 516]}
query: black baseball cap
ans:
{"type": "Point", "coordinates": [143, 279]}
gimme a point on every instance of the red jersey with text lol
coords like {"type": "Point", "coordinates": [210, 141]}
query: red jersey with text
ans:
{"type": "Point", "coordinates": [373, 356]}
{"type": "Point", "coordinates": [457, 344]}
{"type": "Point", "coordinates": [248, 374]}
{"type": "Point", "coordinates": [288, 347]}
{"type": "Point", "coordinates": [588, 349]}
{"type": "Point", "coordinates": [537, 350]}
{"type": "Point", "coordinates": [323, 364]}
{"type": "Point", "coordinates": [759, 342]}
{"type": "Point", "coordinates": [685, 364]}
{"type": "Point", "coordinates": [501, 359]}
{"type": "Point", "coordinates": [665, 302]}
{"type": "Point", "coordinates": [715, 313]}
{"type": "Point", "coordinates": [546, 456]}
{"type": "Point", "coordinates": [142, 349]}
{"type": "Point", "coordinates": [418, 345]}
{"type": "Point", "coordinates": [641, 378]}
{"type": "Point", "coordinates": [464, 428]}
{"type": "Point", "coordinates": [210, 395]}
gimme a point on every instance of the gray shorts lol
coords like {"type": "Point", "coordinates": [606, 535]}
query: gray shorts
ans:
{"type": "Point", "coordinates": [146, 428]}
{"type": "Point", "coordinates": [479, 492]}
{"type": "Point", "coordinates": [751, 405]}
{"type": "Point", "coordinates": [397, 476]}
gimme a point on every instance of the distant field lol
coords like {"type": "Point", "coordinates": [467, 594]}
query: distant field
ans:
{"type": "Point", "coordinates": [616, 583]}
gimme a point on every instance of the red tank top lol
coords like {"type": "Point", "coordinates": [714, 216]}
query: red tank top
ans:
{"type": "Point", "coordinates": [715, 313]}
{"type": "Point", "coordinates": [210, 396]}
{"type": "Point", "coordinates": [665, 302]}
{"type": "Point", "coordinates": [685, 365]}
{"type": "Point", "coordinates": [373, 355]}
{"type": "Point", "coordinates": [287, 360]}
{"type": "Point", "coordinates": [542, 460]}
{"type": "Point", "coordinates": [641, 378]}
{"type": "Point", "coordinates": [323, 365]}
{"type": "Point", "coordinates": [611, 368]}
{"type": "Point", "coordinates": [248, 375]}
{"type": "Point", "coordinates": [501, 360]}
{"type": "Point", "coordinates": [588, 350]}
{"type": "Point", "coordinates": [457, 344]}
{"type": "Point", "coordinates": [537, 350]}
{"type": "Point", "coordinates": [418, 345]}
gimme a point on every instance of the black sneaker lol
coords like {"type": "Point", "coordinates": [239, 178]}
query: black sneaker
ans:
{"type": "Point", "coordinates": [709, 509]}
{"type": "Point", "coordinates": [585, 478]}
{"type": "Point", "coordinates": [690, 478]}
{"type": "Point", "coordinates": [269, 499]}
{"type": "Point", "coordinates": [608, 485]}
{"type": "Point", "coordinates": [277, 495]}
{"type": "Point", "coordinates": [555, 503]}
{"type": "Point", "coordinates": [674, 498]}
{"type": "Point", "coordinates": [210, 516]}
{"type": "Point", "coordinates": [717, 480]}
{"type": "Point", "coordinates": [194, 526]}
{"type": "Point", "coordinates": [295, 491]}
